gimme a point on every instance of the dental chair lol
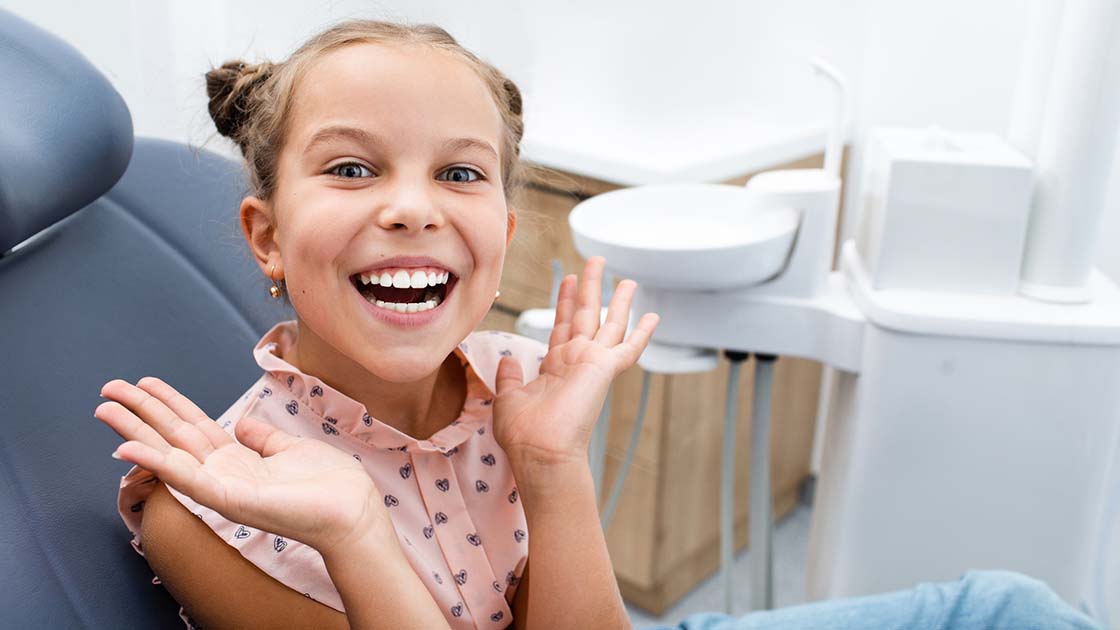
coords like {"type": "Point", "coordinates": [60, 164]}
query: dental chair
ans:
{"type": "Point", "coordinates": [118, 259]}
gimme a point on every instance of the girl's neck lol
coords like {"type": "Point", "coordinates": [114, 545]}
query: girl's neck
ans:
{"type": "Point", "coordinates": [418, 409]}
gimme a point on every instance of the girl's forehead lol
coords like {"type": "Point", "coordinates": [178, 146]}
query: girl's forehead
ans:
{"type": "Point", "coordinates": [389, 88]}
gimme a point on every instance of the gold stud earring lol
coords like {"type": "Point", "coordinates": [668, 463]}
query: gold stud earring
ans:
{"type": "Point", "coordinates": [497, 294]}
{"type": "Point", "coordinates": [274, 290]}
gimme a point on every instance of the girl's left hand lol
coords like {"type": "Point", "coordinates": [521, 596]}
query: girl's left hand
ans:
{"type": "Point", "coordinates": [550, 419]}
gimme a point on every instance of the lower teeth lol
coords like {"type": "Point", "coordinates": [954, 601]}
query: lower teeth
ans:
{"type": "Point", "coordinates": [412, 307]}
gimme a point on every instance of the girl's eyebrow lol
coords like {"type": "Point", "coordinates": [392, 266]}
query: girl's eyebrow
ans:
{"type": "Point", "coordinates": [458, 144]}
{"type": "Point", "coordinates": [335, 133]}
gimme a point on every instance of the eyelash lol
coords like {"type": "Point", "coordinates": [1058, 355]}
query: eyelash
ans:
{"type": "Point", "coordinates": [478, 174]}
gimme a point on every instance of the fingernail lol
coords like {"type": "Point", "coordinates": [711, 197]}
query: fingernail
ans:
{"type": "Point", "coordinates": [114, 455]}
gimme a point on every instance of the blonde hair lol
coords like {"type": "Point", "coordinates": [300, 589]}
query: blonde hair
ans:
{"type": "Point", "coordinates": [251, 103]}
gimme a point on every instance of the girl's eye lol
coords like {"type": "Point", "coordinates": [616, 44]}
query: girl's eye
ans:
{"type": "Point", "coordinates": [460, 175]}
{"type": "Point", "coordinates": [350, 170]}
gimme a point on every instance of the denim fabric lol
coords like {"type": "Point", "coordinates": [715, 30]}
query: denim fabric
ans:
{"type": "Point", "coordinates": [988, 600]}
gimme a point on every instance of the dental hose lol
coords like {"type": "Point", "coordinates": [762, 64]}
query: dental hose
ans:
{"type": "Point", "coordinates": [760, 501]}
{"type": "Point", "coordinates": [726, 506]}
{"type": "Point", "coordinates": [616, 489]}
{"type": "Point", "coordinates": [761, 519]}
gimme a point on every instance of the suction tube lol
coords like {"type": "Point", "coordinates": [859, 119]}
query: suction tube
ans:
{"type": "Point", "coordinates": [616, 489]}
{"type": "Point", "coordinates": [727, 481]}
{"type": "Point", "coordinates": [762, 517]}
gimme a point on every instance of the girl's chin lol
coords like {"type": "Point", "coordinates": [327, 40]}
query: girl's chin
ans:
{"type": "Point", "coordinates": [404, 363]}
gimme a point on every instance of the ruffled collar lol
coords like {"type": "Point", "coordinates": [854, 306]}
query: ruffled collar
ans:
{"type": "Point", "coordinates": [349, 416]}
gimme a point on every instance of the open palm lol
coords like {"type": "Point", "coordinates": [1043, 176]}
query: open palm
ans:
{"type": "Point", "coordinates": [551, 418]}
{"type": "Point", "coordinates": [295, 487]}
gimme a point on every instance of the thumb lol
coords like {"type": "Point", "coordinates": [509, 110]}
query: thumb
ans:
{"type": "Point", "coordinates": [262, 437]}
{"type": "Point", "coordinates": [509, 376]}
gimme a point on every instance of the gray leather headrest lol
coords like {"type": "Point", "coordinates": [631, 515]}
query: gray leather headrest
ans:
{"type": "Point", "coordinates": [65, 133]}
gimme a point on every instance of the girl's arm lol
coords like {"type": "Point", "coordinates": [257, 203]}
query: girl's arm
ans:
{"type": "Point", "coordinates": [270, 480]}
{"type": "Point", "coordinates": [544, 426]}
{"type": "Point", "coordinates": [220, 588]}
{"type": "Point", "coordinates": [379, 589]}
{"type": "Point", "coordinates": [573, 583]}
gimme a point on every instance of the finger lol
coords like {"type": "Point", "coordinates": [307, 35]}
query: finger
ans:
{"type": "Point", "coordinates": [153, 412]}
{"type": "Point", "coordinates": [177, 468]}
{"type": "Point", "coordinates": [263, 437]}
{"type": "Point", "coordinates": [635, 344]}
{"type": "Point", "coordinates": [185, 409]}
{"type": "Point", "coordinates": [618, 314]}
{"type": "Point", "coordinates": [128, 426]}
{"type": "Point", "coordinates": [510, 375]}
{"type": "Point", "coordinates": [565, 307]}
{"type": "Point", "coordinates": [588, 313]}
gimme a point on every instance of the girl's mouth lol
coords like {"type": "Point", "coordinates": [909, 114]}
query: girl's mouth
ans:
{"type": "Point", "coordinates": [404, 299]}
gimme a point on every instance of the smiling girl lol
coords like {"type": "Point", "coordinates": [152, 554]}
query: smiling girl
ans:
{"type": "Point", "coordinates": [390, 468]}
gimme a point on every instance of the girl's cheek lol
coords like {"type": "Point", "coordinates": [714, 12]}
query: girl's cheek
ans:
{"type": "Point", "coordinates": [321, 234]}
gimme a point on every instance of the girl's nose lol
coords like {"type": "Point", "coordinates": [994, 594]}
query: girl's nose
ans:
{"type": "Point", "coordinates": [410, 206]}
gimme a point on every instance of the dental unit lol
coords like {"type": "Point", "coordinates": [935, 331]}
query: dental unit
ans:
{"type": "Point", "coordinates": [972, 352]}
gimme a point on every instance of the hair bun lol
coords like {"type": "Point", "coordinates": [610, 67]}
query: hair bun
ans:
{"type": "Point", "coordinates": [230, 89]}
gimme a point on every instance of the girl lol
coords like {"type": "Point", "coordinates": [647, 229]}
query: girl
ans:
{"type": "Point", "coordinates": [392, 469]}
{"type": "Point", "coordinates": [389, 466]}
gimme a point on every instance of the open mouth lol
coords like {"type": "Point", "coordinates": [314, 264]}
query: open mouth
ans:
{"type": "Point", "coordinates": [411, 298]}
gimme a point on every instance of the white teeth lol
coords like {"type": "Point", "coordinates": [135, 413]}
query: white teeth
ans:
{"type": "Point", "coordinates": [404, 279]}
{"type": "Point", "coordinates": [409, 308]}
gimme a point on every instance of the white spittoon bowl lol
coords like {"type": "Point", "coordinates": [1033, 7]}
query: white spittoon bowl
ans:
{"type": "Point", "coordinates": [697, 237]}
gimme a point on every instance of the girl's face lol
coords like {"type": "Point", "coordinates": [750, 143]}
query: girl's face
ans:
{"type": "Point", "coordinates": [391, 151]}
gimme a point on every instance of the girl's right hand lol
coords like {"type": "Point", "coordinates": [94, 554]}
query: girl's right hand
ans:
{"type": "Point", "coordinates": [298, 488]}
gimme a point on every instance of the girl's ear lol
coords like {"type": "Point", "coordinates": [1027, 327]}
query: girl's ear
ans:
{"type": "Point", "coordinates": [511, 224]}
{"type": "Point", "coordinates": [259, 228]}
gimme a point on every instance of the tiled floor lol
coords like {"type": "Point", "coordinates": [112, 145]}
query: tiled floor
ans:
{"type": "Point", "coordinates": [791, 539]}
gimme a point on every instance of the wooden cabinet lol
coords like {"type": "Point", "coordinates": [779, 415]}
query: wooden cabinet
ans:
{"type": "Point", "coordinates": [664, 538]}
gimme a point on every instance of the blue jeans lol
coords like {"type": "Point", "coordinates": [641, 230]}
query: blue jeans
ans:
{"type": "Point", "coordinates": [988, 600]}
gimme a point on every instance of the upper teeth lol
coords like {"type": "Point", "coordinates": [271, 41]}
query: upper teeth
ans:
{"type": "Point", "coordinates": [405, 279]}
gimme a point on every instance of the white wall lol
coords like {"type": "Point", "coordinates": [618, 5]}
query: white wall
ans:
{"type": "Point", "coordinates": [909, 62]}
{"type": "Point", "coordinates": [156, 52]}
